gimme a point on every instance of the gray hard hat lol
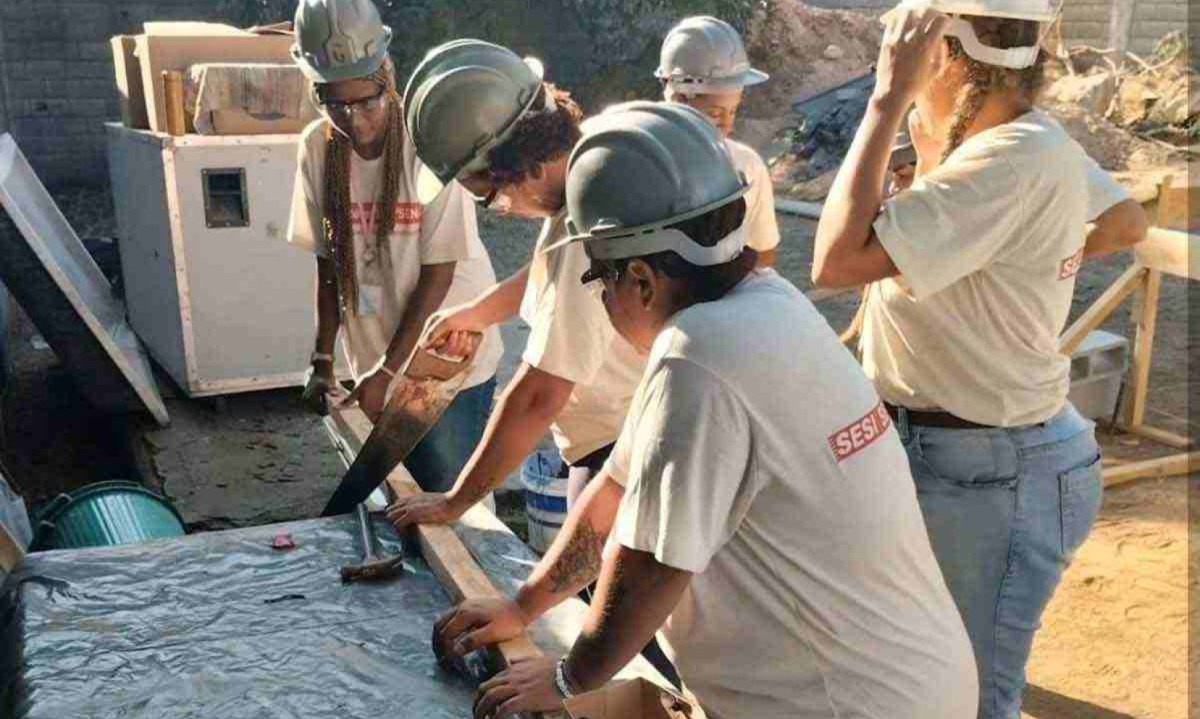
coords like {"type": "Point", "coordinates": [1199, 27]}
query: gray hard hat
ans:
{"type": "Point", "coordinates": [339, 39]}
{"type": "Point", "coordinates": [703, 54]}
{"type": "Point", "coordinates": [642, 166]}
{"type": "Point", "coordinates": [464, 99]}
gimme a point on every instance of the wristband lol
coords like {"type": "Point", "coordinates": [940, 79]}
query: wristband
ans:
{"type": "Point", "coordinates": [321, 357]}
{"type": "Point", "coordinates": [560, 679]}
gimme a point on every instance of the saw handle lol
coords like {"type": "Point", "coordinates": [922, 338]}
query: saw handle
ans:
{"type": "Point", "coordinates": [428, 364]}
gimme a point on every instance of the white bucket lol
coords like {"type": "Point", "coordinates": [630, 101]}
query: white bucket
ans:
{"type": "Point", "coordinates": [545, 498]}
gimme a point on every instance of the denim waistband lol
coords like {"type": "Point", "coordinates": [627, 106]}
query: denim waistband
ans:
{"type": "Point", "coordinates": [1066, 423]}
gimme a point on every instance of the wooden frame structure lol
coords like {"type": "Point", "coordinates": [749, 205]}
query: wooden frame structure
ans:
{"type": "Point", "coordinates": [1169, 252]}
{"type": "Point", "coordinates": [444, 552]}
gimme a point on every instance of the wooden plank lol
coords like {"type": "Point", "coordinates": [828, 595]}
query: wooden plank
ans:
{"type": "Point", "coordinates": [1162, 436]}
{"type": "Point", "coordinates": [172, 83]}
{"type": "Point", "coordinates": [1104, 305]}
{"type": "Point", "coordinates": [1178, 204]}
{"type": "Point", "coordinates": [129, 82]}
{"type": "Point", "coordinates": [444, 552]}
{"type": "Point", "coordinates": [1146, 314]}
{"type": "Point", "coordinates": [1173, 466]}
{"type": "Point", "coordinates": [1171, 251]}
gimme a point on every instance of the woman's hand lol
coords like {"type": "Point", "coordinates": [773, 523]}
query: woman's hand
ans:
{"type": "Point", "coordinates": [476, 624]}
{"type": "Point", "coordinates": [321, 387]}
{"type": "Point", "coordinates": [448, 330]}
{"type": "Point", "coordinates": [371, 394]}
{"type": "Point", "coordinates": [526, 686]}
{"type": "Point", "coordinates": [911, 54]}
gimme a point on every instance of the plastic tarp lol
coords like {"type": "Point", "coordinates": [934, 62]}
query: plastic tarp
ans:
{"type": "Point", "coordinates": [221, 625]}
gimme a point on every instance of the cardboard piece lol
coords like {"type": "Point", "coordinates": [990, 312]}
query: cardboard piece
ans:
{"type": "Point", "coordinates": [45, 266]}
{"type": "Point", "coordinates": [160, 51]}
{"type": "Point", "coordinates": [632, 699]}
{"type": "Point", "coordinates": [129, 82]}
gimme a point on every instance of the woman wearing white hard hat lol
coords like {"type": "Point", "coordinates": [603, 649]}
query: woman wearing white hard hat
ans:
{"type": "Point", "coordinates": [758, 508]}
{"type": "Point", "coordinates": [972, 271]}
{"type": "Point", "coordinates": [385, 259]}
{"type": "Point", "coordinates": [703, 64]}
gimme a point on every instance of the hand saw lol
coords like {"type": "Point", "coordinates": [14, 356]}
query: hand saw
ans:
{"type": "Point", "coordinates": [425, 389]}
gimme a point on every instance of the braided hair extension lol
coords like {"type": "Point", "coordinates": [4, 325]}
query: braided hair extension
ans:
{"type": "Point", "coordinates": [336, 212]}
{"type": "Point", "coordinates": [983, 79]}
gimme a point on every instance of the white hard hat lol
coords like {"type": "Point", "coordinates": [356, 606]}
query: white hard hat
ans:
{"type": "Point", "coordinates": [464, 99]}
{"type": "Point", "coordinates": [642, 166]}
{"type": "Point", "coordinates": [339, 39]}
{"type": "Point", "coordinates": [705, 55]}
{"type": "Point", "coordinates": [1041, 11]}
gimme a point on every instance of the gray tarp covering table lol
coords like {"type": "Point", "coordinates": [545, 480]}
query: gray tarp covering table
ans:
{"type": "Point", "coordinates": [203, 626]}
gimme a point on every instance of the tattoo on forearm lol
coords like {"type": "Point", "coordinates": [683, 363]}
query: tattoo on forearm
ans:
{"type": "Point", "coordinates": [579, 562]}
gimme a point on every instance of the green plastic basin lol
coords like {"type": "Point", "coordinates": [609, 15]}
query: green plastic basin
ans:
{"type": "Point", "coordinates": [106, 514]}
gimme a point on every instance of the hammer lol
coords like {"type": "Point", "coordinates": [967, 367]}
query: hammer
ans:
{"type": "Point", "coordinates": [372, 567]}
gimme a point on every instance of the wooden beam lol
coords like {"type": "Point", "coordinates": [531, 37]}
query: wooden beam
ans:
{"type": "Point", "coordinates": [1173, 466]}
{"type": "Point", "coordinates": [1104, 305]}
{"type": "Point", "coordinates": [1171, 251]}
{"type": "Point", "coordinates": [1146, 316]}
{"type": "Point", "coordinates": [1162, 436]}
{"type": "Point", "coordinates": [444, 552]}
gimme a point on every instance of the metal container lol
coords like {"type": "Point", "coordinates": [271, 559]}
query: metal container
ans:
{"type": "Point", "coordinates": [214, 291]}
{"type": "Point", "coordinates": [106, 514]}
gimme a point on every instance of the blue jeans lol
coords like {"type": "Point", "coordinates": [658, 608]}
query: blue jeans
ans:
{"type": "Point", "coordinates": [438, 458]}
{"type": "Point", "coordinates": [1005, 510]}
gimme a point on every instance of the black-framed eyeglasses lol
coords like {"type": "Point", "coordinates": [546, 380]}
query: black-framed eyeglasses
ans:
{"type": "Point", "coordinates": [366, 104]}
{"type": "Point", "coordinates": [487, 200]}
{"type": "Point", "coordinates": [603, 270]}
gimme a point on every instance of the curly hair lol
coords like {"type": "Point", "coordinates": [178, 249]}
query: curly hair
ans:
{"type": "Point", "coordinates": [983, 79]}
{"type": "Point", "coordinates": [335, 218]}
{"type": "Point", "coordinates": [539, 137]}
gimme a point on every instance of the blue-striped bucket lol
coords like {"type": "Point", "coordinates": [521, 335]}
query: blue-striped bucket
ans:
{"type": "Point", "coordinates": [106, 514]}
{"type": "Point", "coordinates": [545, 497]}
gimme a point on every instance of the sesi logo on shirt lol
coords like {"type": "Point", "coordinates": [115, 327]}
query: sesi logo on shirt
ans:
{"type": "Point", "coordinates": [861, 433]}
{"type": "Point", "coordinates": [1069, 267]}
{"type": "Point", "coordinates": [408, 217]}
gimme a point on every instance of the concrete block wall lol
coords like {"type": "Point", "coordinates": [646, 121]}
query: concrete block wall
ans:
{"type": "Point", "coordinates": [1154, 18]}
{"type": "Point", "coordinates": [56, 76]}
{"type": "Point", "coordinates": [1086, 22]}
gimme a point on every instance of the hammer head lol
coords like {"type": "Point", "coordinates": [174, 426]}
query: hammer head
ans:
{"type": "Point", "coordinates": [375, 571]}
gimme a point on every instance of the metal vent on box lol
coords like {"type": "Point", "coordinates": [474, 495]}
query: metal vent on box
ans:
{"type": "Point", "coordinates": [226, 203]}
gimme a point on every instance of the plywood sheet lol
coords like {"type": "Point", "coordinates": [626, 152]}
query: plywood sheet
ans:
{"type": "Point", "coordinates": [47, 269]}
{"type": "Point", "coordinates": [129, 82]}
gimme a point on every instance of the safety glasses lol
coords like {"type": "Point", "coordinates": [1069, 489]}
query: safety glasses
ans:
{"type": "Point", "coordinates": [341, 109]}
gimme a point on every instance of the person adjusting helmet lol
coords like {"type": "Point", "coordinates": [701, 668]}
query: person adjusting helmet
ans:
{"type": "Point", "coordinates": [758, 511]}
{"type": "Point", "coordinates": [385, 260]}
{"type": "Point", "coordinates": [463, 100]}
{"type": "Point", "coordinates": [703, 64]}
{"type": "Point", "coordinates": [970, 273]}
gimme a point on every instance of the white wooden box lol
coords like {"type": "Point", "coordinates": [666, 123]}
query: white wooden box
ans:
{"type": "Point", "coordinates": [214, 291]}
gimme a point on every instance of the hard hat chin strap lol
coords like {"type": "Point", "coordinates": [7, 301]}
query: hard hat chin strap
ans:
{"type": "Point", "coordinates": [1017, 58]}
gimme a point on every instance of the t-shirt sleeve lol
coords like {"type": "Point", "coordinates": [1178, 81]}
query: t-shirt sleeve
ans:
{"type": "Point", "coordinates": [683, 458]}
{"type": "Point", "coordinates": [570, 335]}
{"type": "Point", "coordinates": [448, 228]}
{"type": "Point", "coordinates": [760, 208]}
{"type": "Point", "coordinates": [1103, 192]}
{"type": "Point", "coordinates": [304, 225]}
{"type": "Point", "coordinates": [952, 222]}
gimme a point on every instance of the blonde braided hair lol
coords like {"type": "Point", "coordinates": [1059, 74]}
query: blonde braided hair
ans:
{"type": "Point", "coordinates": [336, 220]}
{"type": "Point", "coordinates": [983, 79]}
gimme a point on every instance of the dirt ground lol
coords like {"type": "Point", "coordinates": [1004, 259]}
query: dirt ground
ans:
{"type": "Point", "coordinates": [1114, 643]}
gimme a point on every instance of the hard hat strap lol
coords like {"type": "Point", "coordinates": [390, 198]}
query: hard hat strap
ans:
{"type": "Point", "coordinates": [665, 239]}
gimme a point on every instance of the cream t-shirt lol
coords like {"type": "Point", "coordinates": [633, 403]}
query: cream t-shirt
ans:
{"type": "Point", "coordinates": [759, 457]}
{"type": "Point", "coordinates": [571, 337]}
{"type": "Point", "coordinates": [760, 199]}
{"type": "Point", "coordinates": [988, 246]}
{"type": "Point", "coordinates": [442, 231]}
